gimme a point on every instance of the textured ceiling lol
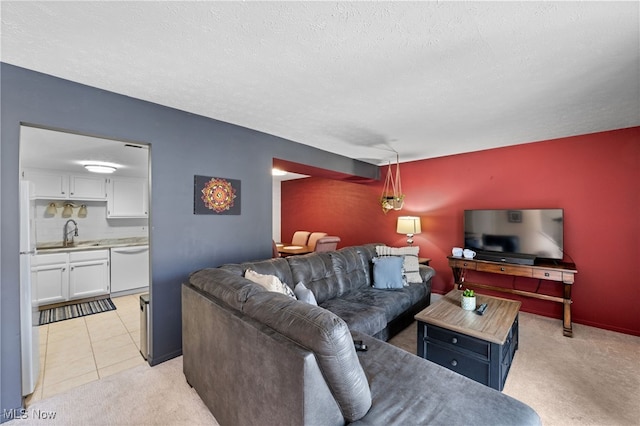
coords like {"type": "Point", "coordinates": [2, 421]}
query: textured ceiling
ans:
{"type": "Point", "coordinates": [360, 79]}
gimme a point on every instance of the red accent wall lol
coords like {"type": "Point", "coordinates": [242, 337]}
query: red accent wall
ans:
{"type": "Point", "coordinates": [595, 178]}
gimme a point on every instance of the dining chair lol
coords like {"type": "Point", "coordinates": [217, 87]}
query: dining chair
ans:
{"type": "Point", "coordinates": [313, 239]}
{"type": "Point", "coordinates": [327, 244]}
{"type": "Point", "coordinates": [300, 238]}
{"type": "Point", "coordinates": [274, 249]}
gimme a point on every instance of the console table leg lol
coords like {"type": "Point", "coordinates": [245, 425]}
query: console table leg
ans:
{"type": "Point", "coordinates": [458, 276]}
{"type": "Point", "coordinates": [567, 328]}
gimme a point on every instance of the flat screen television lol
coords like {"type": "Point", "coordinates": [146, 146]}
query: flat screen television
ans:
{"type": "Point", "coordinates": [515, 236]}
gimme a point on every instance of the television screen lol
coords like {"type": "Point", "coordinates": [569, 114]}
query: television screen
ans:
{"type": "Point", "coordinates": [533, 232]}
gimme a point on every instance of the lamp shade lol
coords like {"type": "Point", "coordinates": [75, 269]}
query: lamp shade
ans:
{"type": "Point", "coordinates": [408, 225]}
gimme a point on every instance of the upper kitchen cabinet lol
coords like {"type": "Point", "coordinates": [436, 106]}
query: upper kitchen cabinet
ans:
{"type": "Point", "coordinates": [127, 198]}
{"type": "Point", "coordinates": [63, 186]}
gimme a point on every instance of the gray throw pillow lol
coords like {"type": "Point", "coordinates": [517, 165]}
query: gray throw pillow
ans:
{"type": "Point", "coordinates": [387, 272]}
{"type": "Point", "coordinates": [304, 294]}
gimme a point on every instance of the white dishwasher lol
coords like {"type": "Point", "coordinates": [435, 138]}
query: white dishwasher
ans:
{"type": "Point", "coordinates": [129, 268]}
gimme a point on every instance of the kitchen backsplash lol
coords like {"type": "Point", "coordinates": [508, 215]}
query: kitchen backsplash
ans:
{"type": "Point", "coordinates": [94, 226]}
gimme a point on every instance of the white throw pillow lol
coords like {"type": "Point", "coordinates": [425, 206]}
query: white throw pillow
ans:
{"type": "Point", "coordinates": [269, 282]}
{"type": "Point", "coordinates": [410, 265]}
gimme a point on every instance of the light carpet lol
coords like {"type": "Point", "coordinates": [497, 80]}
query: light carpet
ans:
{"type": "Point", "coordinates": [143, 395]}
{"type": "Point", "coordinates": [590, 379]}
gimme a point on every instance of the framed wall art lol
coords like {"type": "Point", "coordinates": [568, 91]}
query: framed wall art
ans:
{"type": "Point", "coordinates": [215, 195]}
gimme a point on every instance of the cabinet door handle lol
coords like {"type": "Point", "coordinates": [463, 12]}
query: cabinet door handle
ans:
{"type": "Point", "coordinates": [546, 274]}
{"type": "Point", "coordinates": [454, 363]}
{"type": "Point", "coordinates": [72, 268]}
{"type": "Point", "coordinates": [454, 340]}
{"type": "Point", "coordinates": [502, 269]}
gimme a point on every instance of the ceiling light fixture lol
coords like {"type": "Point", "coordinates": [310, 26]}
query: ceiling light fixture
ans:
{"type": "Point", "coordinates": [278, 172]}
{"type": "Point", "coordinates": [100, 167]}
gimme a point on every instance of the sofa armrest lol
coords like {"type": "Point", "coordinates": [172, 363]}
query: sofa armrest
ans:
{"type": "Point", "coordinates": [244, 370]}
{"type": "Point", "coordinates": [426, 272]}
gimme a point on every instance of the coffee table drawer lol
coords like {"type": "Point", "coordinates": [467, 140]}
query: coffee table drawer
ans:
{"type": "Point", "coordinates": [455, 361]}
{"type": "Point", "coordinates": [458, 341]}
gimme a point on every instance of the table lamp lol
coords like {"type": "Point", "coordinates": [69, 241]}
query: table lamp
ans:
{"type": "Point", "coordinates": [409, 225]}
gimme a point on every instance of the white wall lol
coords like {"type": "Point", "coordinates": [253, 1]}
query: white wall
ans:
{"type": "Point", "coordinates": [95, 226]}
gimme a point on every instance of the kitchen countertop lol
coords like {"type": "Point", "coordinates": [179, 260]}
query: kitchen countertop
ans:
{"type": "Point", "coordinates": [56, 247]}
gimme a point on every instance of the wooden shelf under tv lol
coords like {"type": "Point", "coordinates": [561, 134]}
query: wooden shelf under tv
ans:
{"type": "Point", "coordinates": [562, 273]}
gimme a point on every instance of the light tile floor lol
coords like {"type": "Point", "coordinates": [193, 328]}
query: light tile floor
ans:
{"type": "Point", "coordinates": [81, 350]}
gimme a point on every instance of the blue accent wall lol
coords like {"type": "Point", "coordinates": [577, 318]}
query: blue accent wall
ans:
{"type": "Point", "coordinates": [182, 145]}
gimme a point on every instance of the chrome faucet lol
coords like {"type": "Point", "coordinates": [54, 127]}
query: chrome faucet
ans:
{"type": "Point", "coordinates": [65, 239]}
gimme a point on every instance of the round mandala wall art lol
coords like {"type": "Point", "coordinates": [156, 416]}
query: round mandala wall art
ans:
{"type": "Point", "coordinates": [214, 195]}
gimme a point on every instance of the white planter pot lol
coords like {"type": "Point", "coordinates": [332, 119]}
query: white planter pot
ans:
{"type": "Point", "coordinates": [469, 303]}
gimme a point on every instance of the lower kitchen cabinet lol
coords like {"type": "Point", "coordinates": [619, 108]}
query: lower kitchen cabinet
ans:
{"type": "Point", "coordinates": [50, 278]}
{"type": "Point", "coordinates": [88, 273]}
{"type": "Point", "coordinates": [59, 277]}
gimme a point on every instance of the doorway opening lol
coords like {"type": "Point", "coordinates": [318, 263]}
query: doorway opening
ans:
{"type": "Point", "coordinates": [84, 237]}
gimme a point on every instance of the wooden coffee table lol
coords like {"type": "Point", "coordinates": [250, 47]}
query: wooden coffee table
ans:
{"type": "Point", "coordinates": [480, 347]}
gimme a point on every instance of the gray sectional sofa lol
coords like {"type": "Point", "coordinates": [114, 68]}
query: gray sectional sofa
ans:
{"type": "Point", "coordinates": [259, 357]}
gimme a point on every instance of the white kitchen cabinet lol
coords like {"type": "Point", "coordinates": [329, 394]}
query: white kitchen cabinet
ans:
{"type": "Point", "coordinates": [88, 274]}
{"type": "Point", "coordinates": [63, 186]}
{"type": "Point", "coordinates": [87, 187]}
{"type": "Point", "coordinates": [129, 268]}
{"type": "Point", "coordinates": [59, 277]}
{"type": "Point", "coordinates": [127, 198]}
{"type": "Point", "coordinates": [49, 185]}
{"type": "Point", "coordinates": [50, 278]}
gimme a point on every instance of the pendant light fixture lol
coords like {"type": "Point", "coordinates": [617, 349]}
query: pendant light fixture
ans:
{"type": "Point", "coordinates": [392, 197]}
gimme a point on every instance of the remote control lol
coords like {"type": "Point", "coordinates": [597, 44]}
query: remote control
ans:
{"type": "Point", "coordinates": [481, 309]}
{"type": "Point", "coordinates": [360, 346]}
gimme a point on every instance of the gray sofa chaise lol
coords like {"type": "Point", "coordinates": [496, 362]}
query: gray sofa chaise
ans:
{"type": "Point", "coordinates": [258, 357]}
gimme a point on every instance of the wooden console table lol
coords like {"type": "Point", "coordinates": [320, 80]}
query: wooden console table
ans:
{"type": "Point", "coordinates": [563, 273]}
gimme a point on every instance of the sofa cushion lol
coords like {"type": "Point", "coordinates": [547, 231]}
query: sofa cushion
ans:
{"type": "Point", "coordinates": [407, 389]}
{"type": "Point", "coordinates": [360, 317]}
{"type": "Point", "coordinates": [391, 302]}
{"type": "Point", "coordinates": [416, 292]}
{"type": "Point", "coordinates": [316, 271]}
{"type": "Point", "coordinates": [351, 269]}
{"type": "Point", "coordinates": [387, 272]}
{"type": "Point", "coordinates": [328, 337]}
{"type": "Point", "coordinates": [225, 286]}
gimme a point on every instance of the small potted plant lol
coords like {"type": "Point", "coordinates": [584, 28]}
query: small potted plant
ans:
{"type": "Point", "coordinates": [468, 300]}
